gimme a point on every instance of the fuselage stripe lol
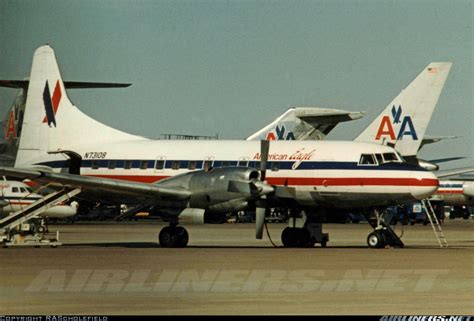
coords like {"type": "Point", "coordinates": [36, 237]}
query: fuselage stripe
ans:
{"type": "Point", "coordinates": [306, 181]}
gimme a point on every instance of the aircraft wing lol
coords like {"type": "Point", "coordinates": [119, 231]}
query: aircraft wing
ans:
{"type": "Point", "coordinates": [102, 186]}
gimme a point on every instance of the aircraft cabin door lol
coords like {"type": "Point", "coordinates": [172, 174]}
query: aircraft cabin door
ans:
{"type": "Point", "coordinates": [208, 163]}
{"type": "Point", "coordinates": [160, 163]}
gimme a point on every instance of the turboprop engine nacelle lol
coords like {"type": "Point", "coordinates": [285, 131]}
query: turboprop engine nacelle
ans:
{"type": "Point", "coordinates": [210, 189]}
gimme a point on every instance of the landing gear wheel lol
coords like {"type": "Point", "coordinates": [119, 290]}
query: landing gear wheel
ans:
{"type": "Point", "coordinates": [376, 240]}
{"type": "Point", "coordinates": [173, 236]}
{"type": "Point", "coordinates": [289, 237]}
{"type": "Point", "coordinates": [304, 238]}
{"type": "Point", "coordinates": [166, 237]}
{"type": "Point", "coordinates": [182, 236]}
{"type": "Point", "coordinates": [296, 237]}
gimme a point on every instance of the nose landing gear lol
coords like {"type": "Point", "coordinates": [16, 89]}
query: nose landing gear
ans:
{"type": "Point", "coordinates": [383, 234]}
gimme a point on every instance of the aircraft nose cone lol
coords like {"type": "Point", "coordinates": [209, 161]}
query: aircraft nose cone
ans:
{"type": "Point", "coordinates": [425, 184]}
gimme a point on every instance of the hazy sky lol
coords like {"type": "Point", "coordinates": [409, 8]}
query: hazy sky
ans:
{"type": "Point", "coordinates": [230, 67]}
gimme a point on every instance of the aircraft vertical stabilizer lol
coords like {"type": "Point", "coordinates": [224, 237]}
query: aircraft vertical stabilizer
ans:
{"type": "Point", "coordinates": [51, 122]}
{"type": "Point", "coordinates": [404, 122]}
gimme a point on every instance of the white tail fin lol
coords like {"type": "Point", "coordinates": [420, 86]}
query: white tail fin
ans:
{"type": "Point", "coordinates": [405, 120]}
{"type": "Point", "coordinates": [304, 123]}
{"type": "Point", "coordinates": [51, 122]}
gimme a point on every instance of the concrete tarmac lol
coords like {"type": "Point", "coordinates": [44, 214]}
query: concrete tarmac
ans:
{"type": "Point", "coordinates": [112, 268]}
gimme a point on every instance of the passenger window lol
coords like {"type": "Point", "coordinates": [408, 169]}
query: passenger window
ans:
{"type": "Point", "coordinates": [127, 164]}
{"type": "Point", "coordinates": [95, 164]}
{"type": "Point", "coordinates": [367, 159]}
{"type": "Point", "coordinates": [275, 166]}
{"type": "Point", "coordinates": [175, 165]}
{"type": "Point", "coordinates": [379, 158]}
{"type": "Point", "coordinates": [207, 165]}
{"type": "Point", "coordinates": [243, 163]}
{"type": "Point", "coordinates": [192, 165]}
{"type": "Point", "coordinates": [390, 157]}
{"type": "Point", "coordinates": [15, 190]}
{"type": "Point", "coordinates": [225, 164]}
{"type": "Point", "coordinates": [258, 165]}
{"type": "Point", "coordinates": [160, 164]}
{"type": "Point", "coordinates": [143, 164]}
{"type": "Point", "coordinates": [112, 164]}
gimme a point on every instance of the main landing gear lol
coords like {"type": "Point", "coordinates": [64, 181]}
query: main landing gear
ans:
{"type": "Point", "coordinates": [383, 234]}
{"type": "Point", "coordinates": [303, 233]}
{"type": "Point", "coordinates": [173, 236]}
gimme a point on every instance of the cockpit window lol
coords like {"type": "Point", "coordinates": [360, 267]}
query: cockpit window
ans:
{"type": "Point", "coordinates": [379, 158]}
{"type": "Point", "coordinates": [15, 190]}
{"type": "Point", "coordinates": [390, 157]}
{"type": "Point", "coordinates": [400, 158]}
{"type": "Point", "coordinates": [23, 190]}
{"type": "Point", "coordinates": [367, 159]}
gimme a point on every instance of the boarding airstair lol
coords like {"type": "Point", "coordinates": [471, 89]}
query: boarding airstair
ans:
{"type": "Point", "coordinates": [438, 231]}
{"type": "Point", "coordinates": [15, 231]}
{"type": "Point", "coordinates": [131, 212]}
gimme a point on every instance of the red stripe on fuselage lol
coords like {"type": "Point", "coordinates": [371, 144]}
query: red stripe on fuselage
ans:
{"type": "Point", "coordinates": [308, 181]}
{"type": "Point", "coordinates": [352, 181]}
{"type": "Point", "coordinates": [449, 192]}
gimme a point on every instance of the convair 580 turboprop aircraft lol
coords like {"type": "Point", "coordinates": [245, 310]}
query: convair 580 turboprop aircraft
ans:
{"type": "Point", "coordinates": [187, 178]}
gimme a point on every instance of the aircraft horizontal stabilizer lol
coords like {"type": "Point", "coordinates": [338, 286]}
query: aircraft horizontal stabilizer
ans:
{"type": "Point", "coordinates": [23, 84]}
{"type": "Point", "coordinates": [444, 160]}
{"type": "Point", "coordinates": [453, 172]}
{"type": "Point", "coordinates": [434, 139]}
{"type": "Point", "coordinates": [304, 123]}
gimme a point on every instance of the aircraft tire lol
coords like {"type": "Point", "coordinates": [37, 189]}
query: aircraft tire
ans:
{"type": "Point", "coordinates": [182, 236]}
{"type": "Point", "coordinates": [376, 240]}
{"type": "Point", "coordinates": [166, 237]}
{"type": "Point", "coordinates": [289, 237]}
{"type": "Point", "coordinates": [173, 236]}
{"type": "Point", "coordinates": [304, 238]}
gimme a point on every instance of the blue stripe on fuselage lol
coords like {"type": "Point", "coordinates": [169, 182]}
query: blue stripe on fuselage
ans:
{"type": "Point", "coordinates": [282, 165]}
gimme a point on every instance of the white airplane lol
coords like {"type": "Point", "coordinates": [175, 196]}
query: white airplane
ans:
{"type": "Point", "coordinates": [187, 178]}
{"type": "Point", "coordinates": [15, 196]}
{"type": "Point", "coordinates": [402, 124]}
{"type": "Point", "coordinates": [455, 192]}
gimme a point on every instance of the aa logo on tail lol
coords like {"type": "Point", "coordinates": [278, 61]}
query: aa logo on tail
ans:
{"type": "Point", "coordinates": [10, 131]}
{"type": "Point", "coordinates": [279, 134]}
{"type": "Point", "coordinates": [51, 104]}
{"type": "Point", "coordinates": [405, 126]}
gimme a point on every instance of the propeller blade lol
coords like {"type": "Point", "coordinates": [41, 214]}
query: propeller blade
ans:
{"type": "Point", "coordinates": [264, 149]}
{"type": "Point", "coordinates": [259, 220]}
